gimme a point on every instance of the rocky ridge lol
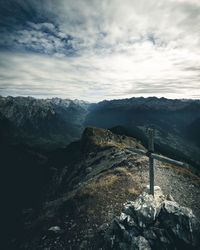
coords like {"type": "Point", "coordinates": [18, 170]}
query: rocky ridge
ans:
{"type": "Point", "coordinates": [93, 179]}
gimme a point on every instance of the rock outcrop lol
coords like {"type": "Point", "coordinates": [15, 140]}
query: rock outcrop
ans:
{"type": "Point", "coordinates": [154, 223]}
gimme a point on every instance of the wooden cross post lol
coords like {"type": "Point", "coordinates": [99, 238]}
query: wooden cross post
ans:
{"type": "Point", "coordinates": [151, 159]}
{"type": "Point", "coordinates": [150, 153]}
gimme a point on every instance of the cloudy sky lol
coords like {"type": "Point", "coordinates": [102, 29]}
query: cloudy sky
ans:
{"type": "Point", "coordinates": [100, 49]}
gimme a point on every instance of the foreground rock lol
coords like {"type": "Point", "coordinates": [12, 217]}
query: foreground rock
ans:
{"type": "Point", "coordinates": [154, 223]}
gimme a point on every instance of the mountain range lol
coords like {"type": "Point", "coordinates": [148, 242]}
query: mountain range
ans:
{"type": "Point", "coordinates": [53, 123]}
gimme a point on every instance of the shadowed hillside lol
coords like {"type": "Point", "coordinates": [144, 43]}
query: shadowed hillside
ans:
{"type": "Point", "coordinates": [92, 179]}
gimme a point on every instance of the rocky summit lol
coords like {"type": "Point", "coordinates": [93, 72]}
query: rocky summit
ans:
{"type": "Point", "coordinates": [96, 198]}
{"type": "Point", "coordinates": [156, 222]}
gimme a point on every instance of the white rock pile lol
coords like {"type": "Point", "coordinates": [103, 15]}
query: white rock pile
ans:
{"type": "Point", "coordinates": [154, 223]}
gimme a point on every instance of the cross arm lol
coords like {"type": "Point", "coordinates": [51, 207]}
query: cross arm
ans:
{"type": "Point", "coordinates": [157, 157]}
{"type": "Point", "coordinates": [169, 160]}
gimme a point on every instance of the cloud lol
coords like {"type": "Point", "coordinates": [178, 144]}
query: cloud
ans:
{"type": "Point", "coordinates": [100, 49]}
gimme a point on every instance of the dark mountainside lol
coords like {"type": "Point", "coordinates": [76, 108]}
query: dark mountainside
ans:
{"type": "Point", "coordinates": [51, 178]}
{"type": "Point", "coordinates": [53, 123]}
{"type": "Point", "coordinates": [91, 181]}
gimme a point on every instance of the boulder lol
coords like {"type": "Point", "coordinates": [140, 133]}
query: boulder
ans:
{"type": "Point", "coordinates": [180, 222]}
{"type": "Point", "coordinates": [55, 229]}
{"type": "Point", "coordinates": [140, 243]}
{"type": "Point", "coordinates": [145, 208]}
{"type": "Point", "coordinates": [127, 219]}
{"type": "Point", "coordinates": [158, 238]}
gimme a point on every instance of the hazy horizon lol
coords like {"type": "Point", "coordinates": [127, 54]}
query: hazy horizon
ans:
{"type": "Point", "coordinates": [111, 99]}
{"type": "Point", "coordinates": [100, 50]}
